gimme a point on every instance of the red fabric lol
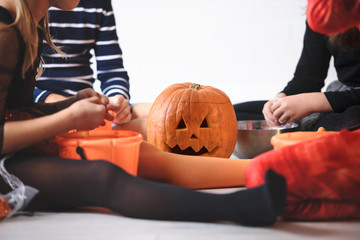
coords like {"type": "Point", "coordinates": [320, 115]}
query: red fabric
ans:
{"type": "Point", "coordinates": [333, 16]}
{"type": "Point", "coordinates": [323, 176]}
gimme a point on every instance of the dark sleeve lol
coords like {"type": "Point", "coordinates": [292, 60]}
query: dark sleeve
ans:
{"type": "Point", "coordinates": [1, 135]}
{"type": "Point", "coordinates": [339, 101]}
{"type": "Point", "coordinates": [313, 65]}
{"type": "Point", "coordinates": [9, 50]}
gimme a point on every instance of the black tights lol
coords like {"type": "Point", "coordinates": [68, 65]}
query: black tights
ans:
{"type": "Point", "coordinates": [249, 110]}
{"type": "Point", "coordinates": [349, 119]}
{"type": "Point", "coordinates": [65, 184]}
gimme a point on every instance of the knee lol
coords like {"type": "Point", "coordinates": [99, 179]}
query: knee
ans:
{"type": "Point", "coordinates": [104, 173]}
{"type": "Point", "coordinates": [351, 118]}
{"type": "Point", "coordinates": [353, 111]}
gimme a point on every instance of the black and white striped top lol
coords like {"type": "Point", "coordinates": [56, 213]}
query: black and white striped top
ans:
{"type": "Point", "coordinates": [89, 28]}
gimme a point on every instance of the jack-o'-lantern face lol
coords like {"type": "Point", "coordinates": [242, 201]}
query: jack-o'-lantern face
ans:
{"type": "Point", "coordinates": [193, 134]}
{"type": "Point", "coordinates": [193, 121]}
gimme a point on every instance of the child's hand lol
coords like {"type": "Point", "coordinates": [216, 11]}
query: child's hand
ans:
{"type": "Point", "coordinates": [88, 93]}
{"type": "Point", "coordinates": [291, 108]}
{"type": "Point", "coordinates": [120, 106]}
{"type": "Point", "coordinates": [89, 113]}
{"type": "Point", "coordinates": [268, 112]}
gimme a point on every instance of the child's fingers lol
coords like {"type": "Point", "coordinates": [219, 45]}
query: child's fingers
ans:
{"type": "Point", "coordinates": [123, 119]}
{"type": "Point", "coordinates": [104, 99]}
{"type": "Point", "coordinates": [109, 116]}
{"type": "Point", "coordinates": [113, 107]}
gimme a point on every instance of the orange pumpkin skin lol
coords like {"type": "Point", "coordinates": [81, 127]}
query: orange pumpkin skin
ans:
{"type": "Point", "coordinates": [193, 119]}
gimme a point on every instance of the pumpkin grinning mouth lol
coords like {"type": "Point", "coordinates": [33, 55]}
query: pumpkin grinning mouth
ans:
{"type": "Point", "coordinates": [188, 151]}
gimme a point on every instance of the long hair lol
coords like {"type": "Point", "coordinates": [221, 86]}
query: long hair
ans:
{"type": "Point", "coordinates": [347, 40]}
{"type": "Point", "coordinates": [28, 28]}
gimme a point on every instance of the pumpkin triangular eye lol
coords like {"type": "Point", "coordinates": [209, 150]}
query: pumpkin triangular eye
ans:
{"type": "Point", "coordinates": [181, 124]}
{"type": "Point", "coordinates": [204, 124]}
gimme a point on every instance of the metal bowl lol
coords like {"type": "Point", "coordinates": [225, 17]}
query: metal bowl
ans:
{"type": "Point", "coordinates": [254, 137]}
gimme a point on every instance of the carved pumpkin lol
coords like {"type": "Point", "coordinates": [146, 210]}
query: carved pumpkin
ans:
{"type": "Point", "coordinates": [193, 119]}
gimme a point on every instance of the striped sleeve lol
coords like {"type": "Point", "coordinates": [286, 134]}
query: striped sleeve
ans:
{"type": "Point", "coordinates": [111, 73]}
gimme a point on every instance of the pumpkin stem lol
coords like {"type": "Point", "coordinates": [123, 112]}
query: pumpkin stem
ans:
{"type": "Point", "coordinates": [195, 86]}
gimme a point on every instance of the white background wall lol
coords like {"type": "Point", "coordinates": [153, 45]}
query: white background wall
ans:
{"type": "Point", "coordinates": [247, 48]}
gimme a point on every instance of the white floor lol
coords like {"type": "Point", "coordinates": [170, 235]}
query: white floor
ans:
{"type": "Point", "coordinates": [91, 226]}
{"type": "Point", "coordinates": [94, 226]}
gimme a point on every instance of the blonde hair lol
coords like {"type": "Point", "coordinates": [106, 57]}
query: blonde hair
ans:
{"type": "Point", "coordinates": [28, 28]}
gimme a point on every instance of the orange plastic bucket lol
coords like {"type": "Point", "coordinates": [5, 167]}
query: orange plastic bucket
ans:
{"type": "Point", "coordinates": [286, 139]}
{"type": "Point", "coordinates": [116, 146]}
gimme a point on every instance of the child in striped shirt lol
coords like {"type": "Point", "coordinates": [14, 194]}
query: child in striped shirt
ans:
{"type": "Point", "coordinates": [89, 27]}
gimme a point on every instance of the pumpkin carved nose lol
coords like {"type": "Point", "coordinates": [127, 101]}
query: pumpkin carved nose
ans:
{"type": "Point", "coordinates": [194, 137]}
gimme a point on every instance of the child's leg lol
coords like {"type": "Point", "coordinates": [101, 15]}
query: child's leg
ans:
{"type": "Point", "coordinates": [190, 171]}
{"type": "Point", "coordinates": [65, 184]}
{"type": "Point", "coordinates": [249, 110]}
{"type": "Point", "coordinates": [182, 170]}
{"type": "Point", "coordinates": [141, 110]}
{"type": "Point", "coordinates": [135, 125]}
{"type": "Point", "coordinates": [349, 119]}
